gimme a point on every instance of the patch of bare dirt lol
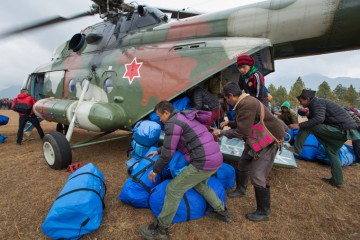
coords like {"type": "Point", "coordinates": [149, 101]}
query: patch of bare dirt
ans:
{"type": "Point", "coordinates": [303, 206]}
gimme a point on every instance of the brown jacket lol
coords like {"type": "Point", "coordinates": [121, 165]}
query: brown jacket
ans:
{"type": "Point", "coordinates": [247, 114]}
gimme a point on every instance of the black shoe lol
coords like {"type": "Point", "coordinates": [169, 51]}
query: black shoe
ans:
{"type": "Point", "coordinates": [331, 182]}
{"type": "Point", "coordinates": [262, 212]}
{"type": "Point", "coordinates": [258, 216]}
{"type": "Point", "coordinates": [242, 179]}
{"type": "Point", "coordinates": [236, 193]}
{"type": "Point", "coordinates": [220, 215]}
{"type": "Point", "coordinates": [18, 144]}
{"type": "Point", "coordinates": [154, 232]}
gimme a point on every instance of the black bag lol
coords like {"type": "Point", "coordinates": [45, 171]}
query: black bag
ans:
{"type": "Point", "coordinates": [22, 108]}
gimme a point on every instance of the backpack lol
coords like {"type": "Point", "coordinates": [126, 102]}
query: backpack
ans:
{"type": "Point", "coordinates": [22, 108]}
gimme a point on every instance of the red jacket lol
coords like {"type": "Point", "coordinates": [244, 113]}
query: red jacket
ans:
{"type": "Point", "coordinates": [24, 98]}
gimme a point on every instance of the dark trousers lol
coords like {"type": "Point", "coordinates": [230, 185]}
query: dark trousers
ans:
{"type": "Point", "coordinates": [35, 122]}
{"type": "Point", "coordinates": [260, 167]}
{"type": "Point", "coordinates": [332, 139]}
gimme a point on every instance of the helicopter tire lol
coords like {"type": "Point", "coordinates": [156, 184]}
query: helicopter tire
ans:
{"type": "Point", "coordinates": [57, 151]}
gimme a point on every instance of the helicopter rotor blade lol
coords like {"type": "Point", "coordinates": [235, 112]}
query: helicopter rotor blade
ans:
{"type": "Point", "coordinates": [48, 22]}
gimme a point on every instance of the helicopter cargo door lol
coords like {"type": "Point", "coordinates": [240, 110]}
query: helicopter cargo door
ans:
{"type": "Point", "coordinates": [36, 85]}
{"type": "Point", "coordinates": [54, 84]}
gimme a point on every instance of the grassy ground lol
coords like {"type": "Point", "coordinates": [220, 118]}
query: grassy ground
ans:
{"type": "Point", "coordinates": [303, 207]}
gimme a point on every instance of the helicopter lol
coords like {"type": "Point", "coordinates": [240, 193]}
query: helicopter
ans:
{"type": "Point", "coordinates": [111, 74]}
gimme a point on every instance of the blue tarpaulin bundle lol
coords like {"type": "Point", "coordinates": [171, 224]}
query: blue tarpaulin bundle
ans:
{"type": "Point", "coordinates": [2, 138]}
{"type": "Point", "coordinates": [346, 155]}
{"type": "Point", "coordinates": [177, 164]}
{"type": "Point", "coordinates": [136, 190]}
{"type": "Point", "coordinates": [179, 104]}
{"type": "Point", "coordinates": [225, 174]}
{"type": "Point", "coordinates": [78, 209]}
{"type": "Point", "coordinates": [133, 162]}
{"type": "Point", "coordinates": [192, 205]}
{"type": "Point", "coordinates": [3, 120]}
{"type": "Point", "coordinates": [146, 134]}
{"type": "Point", "coordinates": [310, 149]}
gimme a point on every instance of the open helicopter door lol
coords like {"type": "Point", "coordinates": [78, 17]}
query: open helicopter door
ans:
{"type": "Point", "coordinates": [36, 85]}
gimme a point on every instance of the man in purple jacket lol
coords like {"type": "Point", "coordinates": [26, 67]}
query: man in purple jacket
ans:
{"type": "Point", "coordinates": [185, 132]}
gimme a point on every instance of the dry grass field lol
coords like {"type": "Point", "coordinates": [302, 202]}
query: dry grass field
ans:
{"type": "Point", "coordinates": [303, 206]}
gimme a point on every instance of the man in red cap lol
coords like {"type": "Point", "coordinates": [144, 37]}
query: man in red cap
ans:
{"type": "Point", "coordinates": [251, 80]}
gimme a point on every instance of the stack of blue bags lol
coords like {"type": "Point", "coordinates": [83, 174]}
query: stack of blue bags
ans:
{"type": "Point", "coordinates": [139, 192]}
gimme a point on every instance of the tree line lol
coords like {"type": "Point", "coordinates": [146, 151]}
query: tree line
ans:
{"type": "Point", "coordinates": [348, 97]}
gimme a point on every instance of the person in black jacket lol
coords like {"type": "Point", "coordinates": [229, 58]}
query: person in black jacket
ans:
{"type": "Point", "coordinates": [204, 100]}
{"type": "Point", "coordinates": [331, 125]}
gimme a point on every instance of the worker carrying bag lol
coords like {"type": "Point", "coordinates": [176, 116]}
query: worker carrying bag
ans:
{"type": "Point", "coordinates": [78, 209]}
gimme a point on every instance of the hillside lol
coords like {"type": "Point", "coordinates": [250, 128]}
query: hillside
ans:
{"type": "Point", "coordinates": [10, 92]}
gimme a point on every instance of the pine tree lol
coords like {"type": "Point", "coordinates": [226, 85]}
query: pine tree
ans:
{"type": "Point", "coordinates": [295, 91]}
{"type": "Point", "coordinates": [339, 91]}
{"type": "Point", "coordinates": [324, 91]}
{"type": "Point", "coordinates": [351, 97]}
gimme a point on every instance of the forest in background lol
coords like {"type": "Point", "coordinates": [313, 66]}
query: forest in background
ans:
{"type": "Point", "coordinates": [344, 96]}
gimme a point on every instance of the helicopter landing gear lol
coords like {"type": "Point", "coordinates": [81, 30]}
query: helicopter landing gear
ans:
{"type": "Point", "coordinates": [57, 151]}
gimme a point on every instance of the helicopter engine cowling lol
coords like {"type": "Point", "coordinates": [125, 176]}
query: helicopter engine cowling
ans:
{"type": "Point", "coordinates": [93, 116]}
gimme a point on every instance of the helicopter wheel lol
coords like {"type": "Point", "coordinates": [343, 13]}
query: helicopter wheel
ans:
{"type": "Point", "coordinates": [57, 151]}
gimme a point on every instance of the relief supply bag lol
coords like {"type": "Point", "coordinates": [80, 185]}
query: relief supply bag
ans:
{"type": "Point", "coordinates": [78, 209]}
{"type": "Point", "coordinates": [192, 205]}
{"type": "Point", "coordinates": [22, 108]}
{"type": "Point", "coordinates": [3, 120]}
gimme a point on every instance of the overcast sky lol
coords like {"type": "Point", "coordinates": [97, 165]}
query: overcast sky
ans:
{"type": "Point", "coordinates": [21, 54]}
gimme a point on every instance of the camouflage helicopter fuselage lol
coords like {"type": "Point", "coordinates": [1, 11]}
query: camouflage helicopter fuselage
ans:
{"type": "Point", "coordinates": [134, 60]}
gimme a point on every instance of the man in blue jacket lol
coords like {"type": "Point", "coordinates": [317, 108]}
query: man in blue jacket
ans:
{"type": "Point", "coordinates": [331, 125]}
{"type": "Point", "coordinates": [185, 132]}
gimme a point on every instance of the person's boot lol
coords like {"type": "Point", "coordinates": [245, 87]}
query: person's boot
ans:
{"type": "Point", "coordinates": [220, 215]}
{"type": "Point", "coordinates": [242, 179]}
{"type": "Point", "coordinates": [154, 232]}
{"type": "Point", "coordinates": [262, 212]}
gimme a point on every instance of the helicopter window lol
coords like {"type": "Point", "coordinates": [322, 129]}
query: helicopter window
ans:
{"type": "Point", "coordinates": [108, 85]}
{"type": "Point", "coordinates": [72, 86]}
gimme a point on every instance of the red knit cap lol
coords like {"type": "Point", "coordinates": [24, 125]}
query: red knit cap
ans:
{"type": "Point", "coordinates": [245, 60]}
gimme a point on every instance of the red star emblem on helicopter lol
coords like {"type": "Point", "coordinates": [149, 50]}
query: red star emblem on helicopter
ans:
{"type": "Point", "coordinates": [132, 70]}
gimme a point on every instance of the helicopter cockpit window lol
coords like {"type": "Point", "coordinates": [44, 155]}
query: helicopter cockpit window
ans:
{"type": "Point", "coordinates": [108, 85]}
{"type": "Point", "coordinates": [72, 86]}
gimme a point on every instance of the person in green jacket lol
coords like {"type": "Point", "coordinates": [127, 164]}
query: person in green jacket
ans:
{"type": "Point", "coordinates": [287, 115]}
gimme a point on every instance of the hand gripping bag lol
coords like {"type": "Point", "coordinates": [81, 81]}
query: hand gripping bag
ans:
{"type": "Point", "coordinates": [78, 209]}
